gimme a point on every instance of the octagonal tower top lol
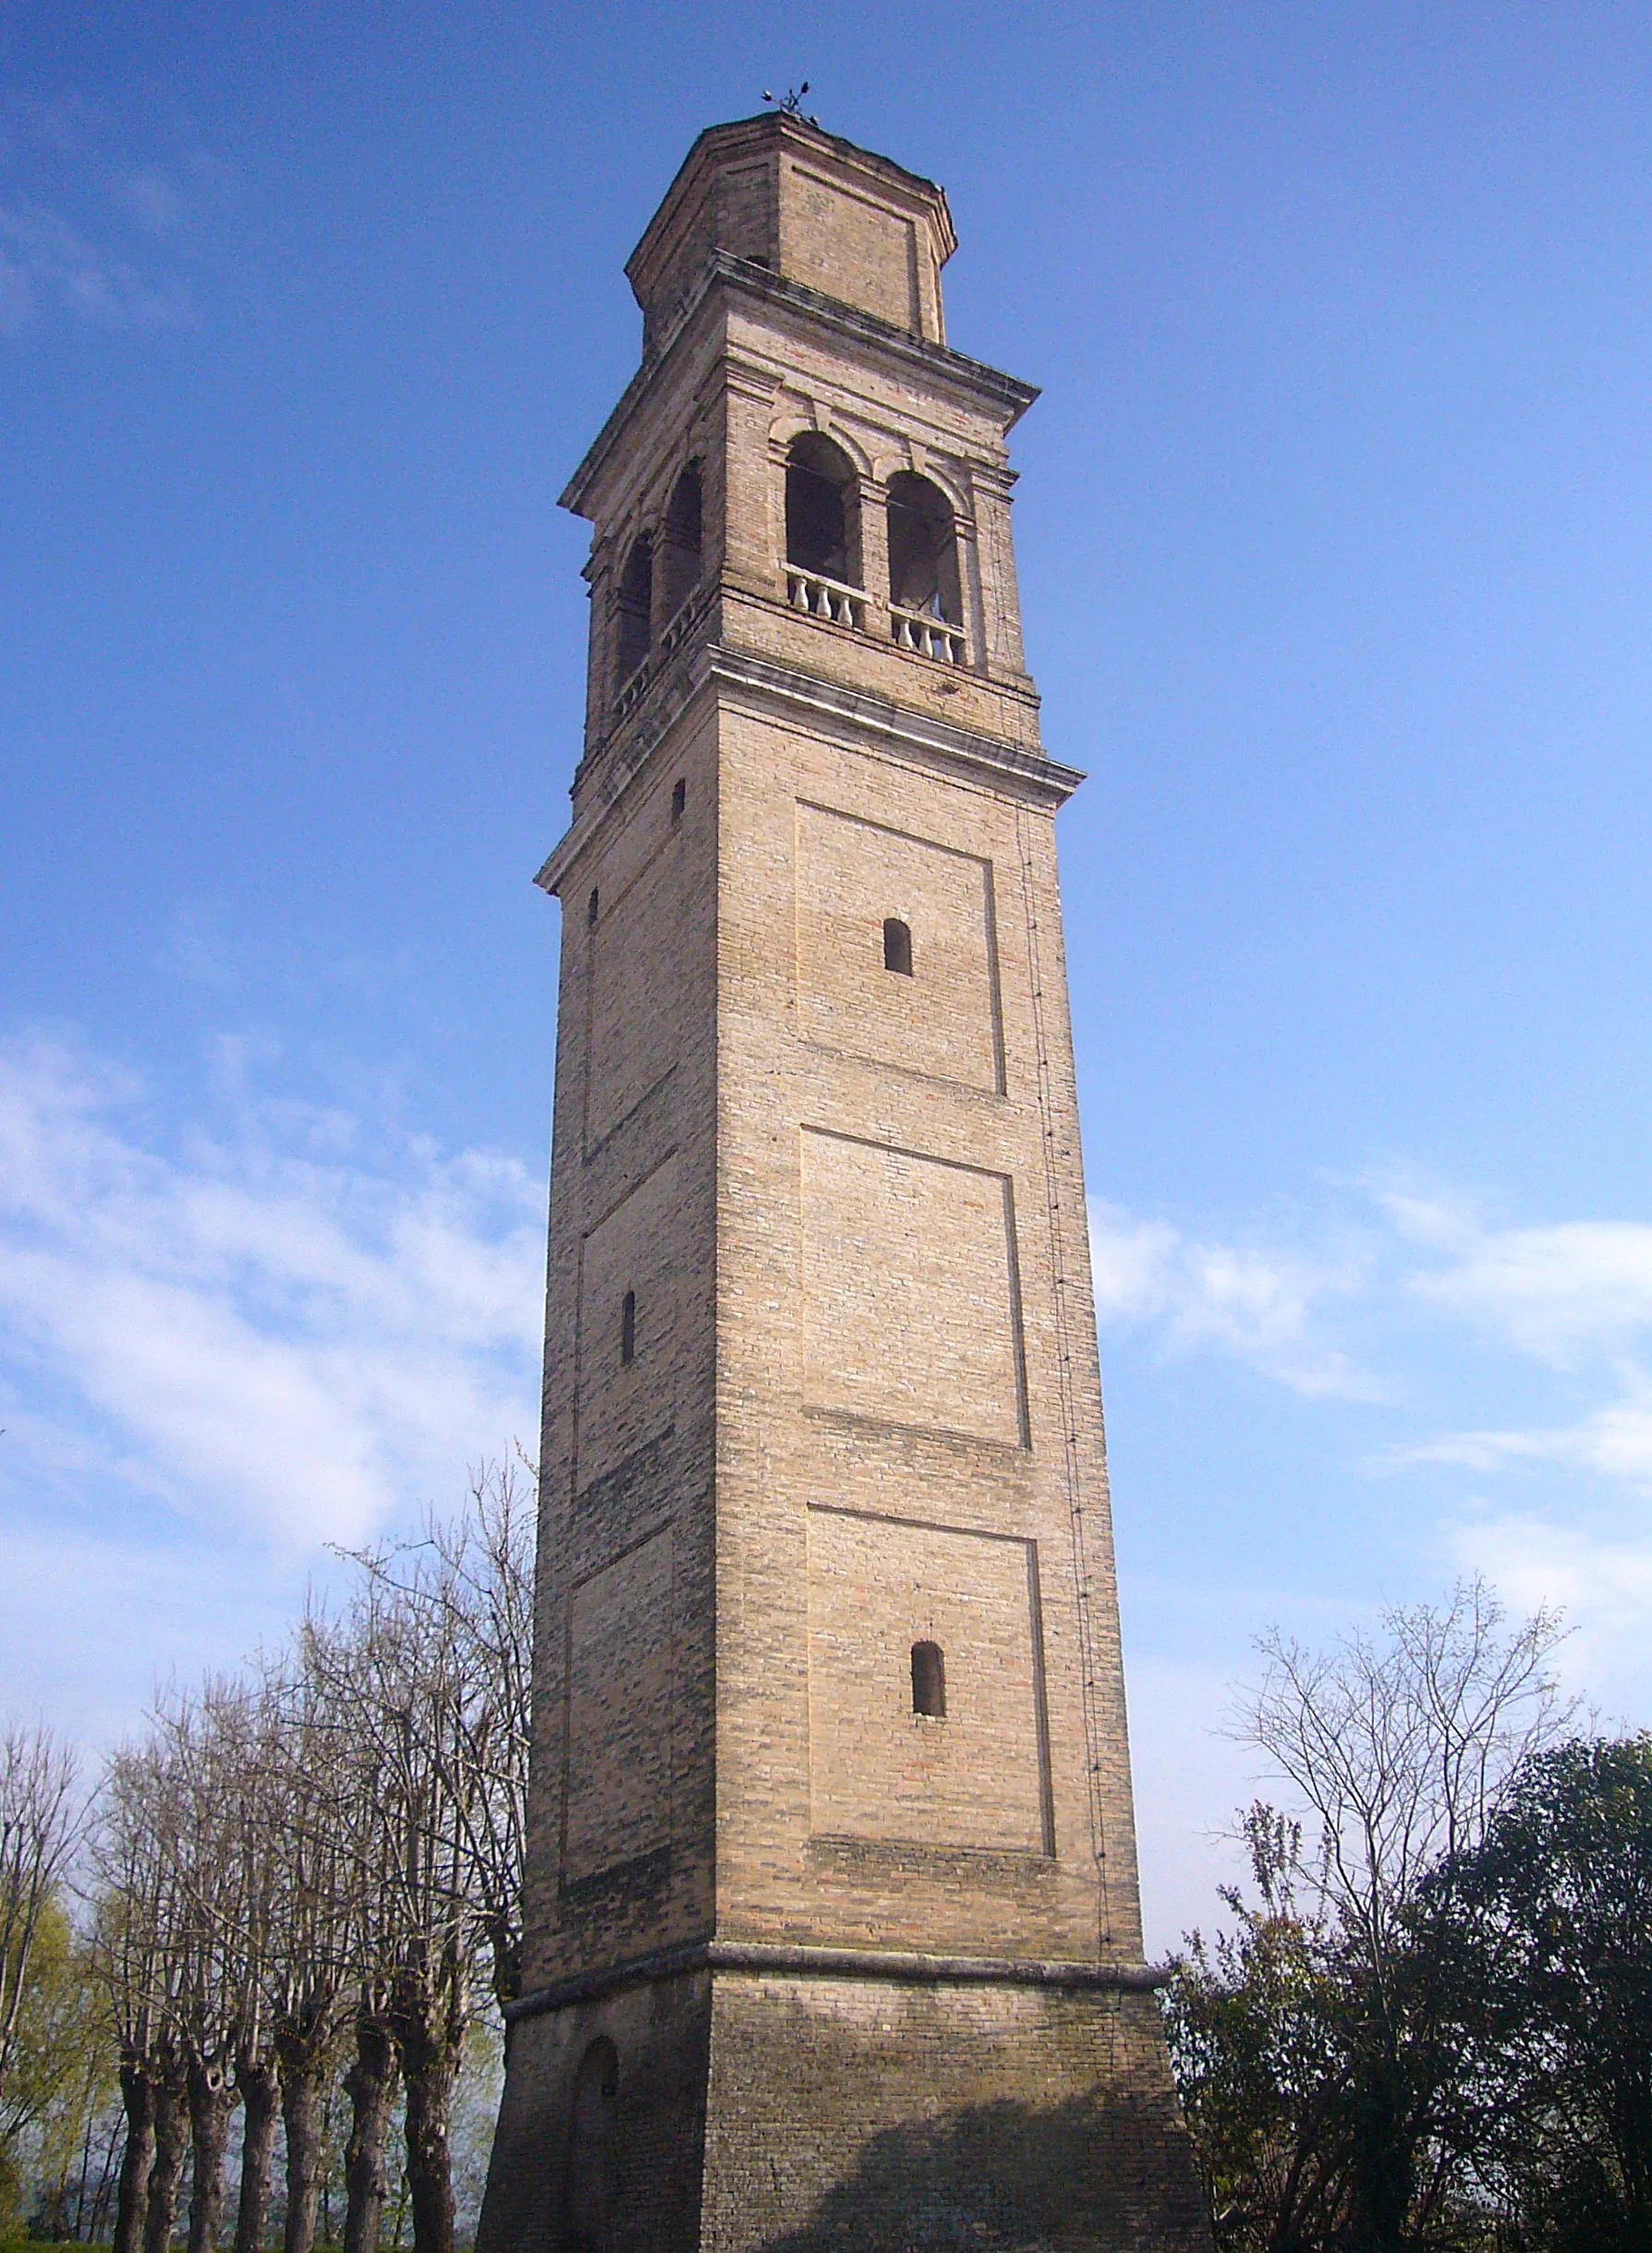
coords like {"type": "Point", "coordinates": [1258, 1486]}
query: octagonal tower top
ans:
{"type": "Point", "coordinates": [779, 191]}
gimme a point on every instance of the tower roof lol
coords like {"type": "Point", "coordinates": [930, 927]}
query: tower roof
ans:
{"type": "Point", "coordinates": [778, 190]}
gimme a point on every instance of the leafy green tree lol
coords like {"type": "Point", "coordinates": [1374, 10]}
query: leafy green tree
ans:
{"type": "Point", "coordinates": [1255, 2036]}
{"type": "Point", "coordinates": [1552, 1913]}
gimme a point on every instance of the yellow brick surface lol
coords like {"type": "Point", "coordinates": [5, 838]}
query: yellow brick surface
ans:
{"type": "Point", "coordinates": [863, 1405]}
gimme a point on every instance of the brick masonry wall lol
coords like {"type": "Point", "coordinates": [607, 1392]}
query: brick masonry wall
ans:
{"type": "Point", "coordinates": [763, 2114]}
{"type": "Point", "coordinates": [861, 1406]}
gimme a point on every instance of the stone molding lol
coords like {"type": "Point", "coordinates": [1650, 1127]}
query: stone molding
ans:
{"type": "Point", "coordinates": [902, 1967]}
{"type": "Point", "coordinates": [895, 728]}
{"type": "Point", "coordinates": [1008, 394]}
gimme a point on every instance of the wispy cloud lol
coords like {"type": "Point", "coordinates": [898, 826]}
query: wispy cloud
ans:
{"type": "Point", "coordinates": [1264, 1305]}
{"type": "Point", "coordinates": [1400, 1264]}
{"type": "Point", "coordinates": [284, 1327]}
{"type": "Point", "coordinates": [1614, 1441]}
{"type": "Point", "coordinates": [1601, 1580]}
{"type": "Point", "coordinates": [51, 265]}
{"type": "Point", "coordinates": [99, 216]}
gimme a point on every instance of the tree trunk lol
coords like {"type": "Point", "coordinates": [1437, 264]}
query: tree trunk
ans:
{"type": "Point", "coordinates": [171, 2140]}
{"type": "Point", "coordinates": [138, 2101]}
{"type": "Point", "coordinates": [428, 2066]}
{"type": "Point", "coordinates": [370, 2086]}
{"type": "Point", "coordinates": [301, 2116]}
{"type": "Point", "coordinates": [260, 2097]}
{"type": "Point", "coordinates": [212, 2101]}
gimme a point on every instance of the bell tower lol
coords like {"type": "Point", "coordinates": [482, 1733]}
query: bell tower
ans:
{"type": "Point", "coordinates": [833, 1936]}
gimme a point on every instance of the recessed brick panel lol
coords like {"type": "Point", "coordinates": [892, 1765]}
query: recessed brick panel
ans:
{"type": "Point", "coordinates": [622, 1406]}
{"type": "Point", "coordinates": [877, 1769]}
{"type": "Point", "coordinates": [911, 1303]}
{"type": "Point", "coordinates": [944, 1019]}
{"type": "Point", "coordinates": [635, 996]}
{"type": "Point", "coordinates": [617, 1802]}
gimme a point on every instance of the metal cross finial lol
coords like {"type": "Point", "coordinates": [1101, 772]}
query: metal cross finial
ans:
{"type": "Point", "coordinates": [790, 103]}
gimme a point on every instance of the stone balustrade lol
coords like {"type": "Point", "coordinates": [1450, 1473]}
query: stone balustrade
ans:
{"type": "Point", "coordinates": [929, 636]}
{"type": "Point", "coordinates": [825, 598]}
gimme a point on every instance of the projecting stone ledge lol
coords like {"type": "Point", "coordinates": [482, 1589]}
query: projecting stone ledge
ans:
{"type": "Point", "coordinates": [834, 1963]}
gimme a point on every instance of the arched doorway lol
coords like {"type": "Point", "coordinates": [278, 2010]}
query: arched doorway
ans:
{"type": "Point", "coordinates": [593, 2128]}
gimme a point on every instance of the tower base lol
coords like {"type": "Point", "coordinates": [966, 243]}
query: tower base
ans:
{"type": "Point", "coordinates": [727, 2107]}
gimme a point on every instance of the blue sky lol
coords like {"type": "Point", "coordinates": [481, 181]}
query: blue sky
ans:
{"type": "Point", "coordinates": [1333, 535]}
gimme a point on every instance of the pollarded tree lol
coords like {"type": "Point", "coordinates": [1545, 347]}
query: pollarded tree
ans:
{"type": "Point", "coordinates": [137, 1949]}
{"type": "Point", "coordinates": [313, 1903]}
{"type": "Point", "coordinates": [200, 1740]}
{"type": "Point", "coordinates": [437, 1653]}
{"type": "Point", "coordinates": [394, 1668]}
{"type": "Point", "coordinates": [130, 1901]}
{"type": "Point", "coordinates": [471, 1581]}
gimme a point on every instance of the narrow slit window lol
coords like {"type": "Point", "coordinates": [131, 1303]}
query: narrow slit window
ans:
{"type": "Point", "coordinates": [897, 947]}
{"type": "Point", "coordinates": [679, 798]}
{"type": "Point", "coordinates": [628, 1328]}
{"type": "Point", "coordinates": [591, 906]}
{"type": "Point", "coordinates": [929, 1681]}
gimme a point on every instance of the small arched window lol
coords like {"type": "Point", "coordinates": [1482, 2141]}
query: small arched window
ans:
{"type": "Point", "coordinates": [628, 1328]}
{"type": "Point", "coordinates": [680, 543]}
{"type": "Point", "coordinates": [593, 2141]}
{"type": "Point", "coordinates": [897, 947]}
{"type": "Point", "coordinates": [679, 798]}
{"type": "Point", "coordinates": [822, 510]}
{"type": "Point", "coordinates": [929, 1681]}
{"type": "Point", "coordinates": [635, 606]}
{"type": "Point", "coordinates": [593, 907]}
{"type": "Point", "coordinates": [923, 549]}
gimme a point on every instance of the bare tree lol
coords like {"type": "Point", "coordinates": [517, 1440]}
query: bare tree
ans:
{"type": "Point", "coordinates": [41, 1826]}
{"type": "Point", "coordinates": [472, 1578]}
{"type": "Point", "coordinates": [1401, 1748]}
{"type": "Point", "coordinates": [448, 1625]}
{"type": "Point", "coordinates": [132, 1906]}
{"type": "Point", "coordinates": [312, 1907]}
{"type": "Point", "coordinates": [394, 1666]}
{"type": "Point", "coordinates": [256, 1816]}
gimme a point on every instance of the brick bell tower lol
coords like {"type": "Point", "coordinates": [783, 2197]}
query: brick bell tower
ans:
{"type": "Point", "coordinates": [833, 1936]}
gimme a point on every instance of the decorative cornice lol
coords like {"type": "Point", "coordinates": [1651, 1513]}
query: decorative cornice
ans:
{"type": "Point", "coordinates": [956, 750]}
{"type": "Point", "coordinates": [961, 750]}
{"type": "Point", "coordinates": [899, 1965]}
{"type": "Point", "coordinates": [1008, 393]}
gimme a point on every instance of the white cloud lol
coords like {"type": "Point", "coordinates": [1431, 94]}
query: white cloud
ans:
{"type": "Point", "coordinates": [1615, 1442]}
{"type": "Point", "coordinates": [1261, 1305]}
{"type": "Point", "coordinates": [1601, 1581]}
{"type": "Point", "coordinates": [267, 1331]}
{"type": "Point", "coordinates": [1561, 1292]}
{"type": "Point", "coordinates": [1575, 1298]}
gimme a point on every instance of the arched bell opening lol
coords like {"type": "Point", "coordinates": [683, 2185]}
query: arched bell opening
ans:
{"type": "Point", "coordinates": [923, 549]}
{"type": "Point", "coordinates": [680, 543]}
{"type": "Point", "coordinates": [633, 606]}
{"type": "Point", "coordinates": [822, 510]}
